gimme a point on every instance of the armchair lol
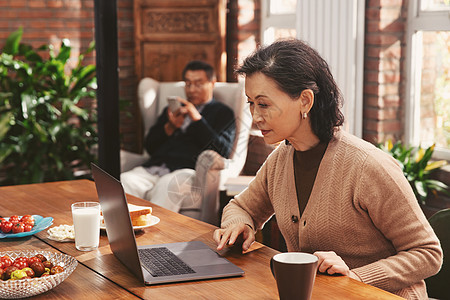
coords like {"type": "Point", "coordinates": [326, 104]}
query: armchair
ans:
{"type": "Point", "coordinates": [211, 169]}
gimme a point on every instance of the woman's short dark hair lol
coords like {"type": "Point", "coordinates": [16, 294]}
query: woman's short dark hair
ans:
{"type": "Point", "coordinates": [195, 65]}
{"type": "Point", "coordinates": [295, 66]}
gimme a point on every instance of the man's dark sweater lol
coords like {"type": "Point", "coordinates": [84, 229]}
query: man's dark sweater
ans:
{"type": "Point", "coordinates": [216, 130]}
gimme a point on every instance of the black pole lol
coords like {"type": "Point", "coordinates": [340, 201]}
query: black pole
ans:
{"type": "Point", "coordinates": [108, 90]}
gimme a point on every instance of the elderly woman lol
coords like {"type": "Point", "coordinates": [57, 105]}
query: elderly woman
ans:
{"type": "Point", "coordinates": [334, 194]}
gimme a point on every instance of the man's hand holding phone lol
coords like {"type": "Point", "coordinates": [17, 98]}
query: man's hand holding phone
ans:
{"type": "Point", "coordinates": [174, 104]}
{"type": "Point", "coordinates": [178, 109]}
{"type": "Point", "coordinates": [175, 114]}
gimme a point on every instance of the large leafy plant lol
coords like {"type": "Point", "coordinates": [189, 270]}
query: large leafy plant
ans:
{"type": "Point", "coordinates": [417, 167]}
{"type": "Point", "coordinates": [45, 135]}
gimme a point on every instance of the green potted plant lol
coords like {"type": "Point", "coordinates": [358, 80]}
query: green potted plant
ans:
{"type": "Point", "coordinates": [45, 135]}
{"type": "Point", "coordinates": [417, 167]}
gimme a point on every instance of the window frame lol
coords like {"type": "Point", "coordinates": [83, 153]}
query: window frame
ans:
{"type": "Point", "coordinates": [419, 20]}
{"type": "Point", "coordinates": [274, 20]}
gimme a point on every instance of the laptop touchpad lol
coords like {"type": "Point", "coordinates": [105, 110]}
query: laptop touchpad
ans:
{"type": "Point", "coordinates": [201, 257]}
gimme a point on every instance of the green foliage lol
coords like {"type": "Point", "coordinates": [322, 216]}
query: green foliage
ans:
{"type": "Point", "coordinates": [44, 134]}
{"type": "Point", "coordinates": [416, 165]}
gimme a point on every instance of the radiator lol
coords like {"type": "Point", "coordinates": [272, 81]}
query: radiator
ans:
{"type": "Point", "coordinates": [335, 28]}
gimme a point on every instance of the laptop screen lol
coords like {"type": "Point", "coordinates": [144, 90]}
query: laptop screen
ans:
{"type": "Point", "coordinates": [117, 220]}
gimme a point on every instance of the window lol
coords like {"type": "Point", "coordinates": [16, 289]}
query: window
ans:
{"type": "Point", "coordinates": [428, 73]}
{"type": "Point", "coordinates": [278, 20]}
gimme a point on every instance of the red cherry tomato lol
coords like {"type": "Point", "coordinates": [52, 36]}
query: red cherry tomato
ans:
{"type": "Point", "coordinates": [6, 260]}
{"type": "Point", "coordinates": [27, 219]}
{"type": "Point", "coordinates": [14, 219]}
{"type": "Point", "coordinates": [20, 264]}
{"type": "Point", "coordinates": [21, 258]}
{"type": "Point", "coordinates": [27, 227]}
{"type": "Point", "coordinates": [33, 259]}
{"type": "Point", "coordinates": [6, 226]}
{"type": "Point", "coordinates": [17, 228]}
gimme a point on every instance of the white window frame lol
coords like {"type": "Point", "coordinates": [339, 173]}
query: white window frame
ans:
{"type": "Point", "coordinates": [274, 20]}
{"type": "Point", "coordinates": [419, 21]}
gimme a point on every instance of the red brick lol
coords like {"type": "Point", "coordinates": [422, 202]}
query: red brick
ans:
{"type": "Point", "coordinates": [382, 39]}
{"type": "Point", "coordinates": [381, 89]}
{"type": "Point", "coordinates": [389, 65]}
{"type": "Point", "coordinates": [372, 13]}
{"type": "Point", "coordinates": [385, 26]}
{"type": "Point", "coordinates": [122, 4]}
{"type": "Point", "coordinates": [90, 4]}
{"type": "Point", "coordinates": [54, 3]}
{"type": "Point", "coordinates": [73, 4]}
{"type": "Point", "coordinates": [37, 4]}
{"type": "Point", "coordinates": [383, 126]}
{"type": "Point", "coordinates": [373, 51]}
{"type": "Point", "coordinates": [370, 125]}
{"type": "Point", "coordinates": [379, 137]}
{"type": "Point", "coordinates": [392, 51]}
{"type": "Point", "coordinates": [396, 26]}
{"type": "Point", "coordinates": [371, 76]}
{"type": "Point", "coordinates": [16, 3]}
{"type": "Point", "coordinates": [371, 137]}
{"type": "Point", "coordinates": [371, 89]}
{"type": "Point", "coordinates": [372, 64]}
{"type": "Point", "coordinates": [381, 114]}
{"type": "Point", "coordinates": [389, 77]}
{"type": "Point", "coordinates": [381, 101]}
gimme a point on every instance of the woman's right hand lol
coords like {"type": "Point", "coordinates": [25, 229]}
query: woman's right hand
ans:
{"type": "Point", "coordinates": [229, 235]}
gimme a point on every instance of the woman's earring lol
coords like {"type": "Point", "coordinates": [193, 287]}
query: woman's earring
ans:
{"type": "Point", "coordinates": [305, 115]}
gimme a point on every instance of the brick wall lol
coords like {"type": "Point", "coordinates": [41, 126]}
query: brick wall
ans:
{"type": "Point", "coordinates": [243, 32]}
{"type": "Point", "coordinates": [50, 21]}
{"type": "Point", "coordinates": [383, 70]}
{"type": "Point", "coordinates": [130, 120]}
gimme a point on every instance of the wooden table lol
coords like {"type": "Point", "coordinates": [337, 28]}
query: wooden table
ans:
{"type": "Point", "coordinates": [100, 275]}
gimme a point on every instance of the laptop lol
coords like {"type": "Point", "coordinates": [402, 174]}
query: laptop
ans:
{"type": "Point", "coordinates": [154, 264]}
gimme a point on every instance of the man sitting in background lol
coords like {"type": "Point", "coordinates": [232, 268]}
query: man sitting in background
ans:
{"type": "Point", "coordinates": [178, 138]}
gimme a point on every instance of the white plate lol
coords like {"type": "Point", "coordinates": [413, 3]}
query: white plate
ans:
{"type": "Point", "coordinates": [58, 240]}
{"type": "Point", "coordinates": [154, 220]}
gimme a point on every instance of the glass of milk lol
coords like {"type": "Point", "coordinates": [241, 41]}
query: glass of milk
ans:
{"type": "Point", "coordinates": [86, 223]}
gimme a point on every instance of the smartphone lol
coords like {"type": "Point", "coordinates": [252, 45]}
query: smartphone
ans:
{"type": "Point", "coordinates": [174, 104]}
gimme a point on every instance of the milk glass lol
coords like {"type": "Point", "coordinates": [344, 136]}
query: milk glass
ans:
{"type": "Point", "coordinates": [86, 223]}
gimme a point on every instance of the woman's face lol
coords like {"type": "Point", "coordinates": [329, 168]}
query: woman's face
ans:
{"type": "Point", "coordinates": [276, 114]}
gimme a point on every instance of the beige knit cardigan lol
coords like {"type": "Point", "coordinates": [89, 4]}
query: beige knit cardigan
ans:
{"type": "Point", "coordinates": [361, 207]}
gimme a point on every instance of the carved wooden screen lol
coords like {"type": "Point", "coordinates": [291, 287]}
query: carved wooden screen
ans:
{"type": "Point", "coordinates": [169, 33]}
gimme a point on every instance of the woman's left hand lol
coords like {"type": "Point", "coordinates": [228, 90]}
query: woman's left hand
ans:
{"type": "Point", "coordinates": [331, 263]}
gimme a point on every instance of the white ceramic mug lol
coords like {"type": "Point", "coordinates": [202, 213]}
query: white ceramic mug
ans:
{"type": "Point", "coordinates": [295, 273]}
{"type": "Point", "coordinates": [86, 223]}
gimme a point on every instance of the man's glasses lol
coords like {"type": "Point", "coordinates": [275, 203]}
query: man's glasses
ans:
{"type": "Point", "coordinates": [196, 84]}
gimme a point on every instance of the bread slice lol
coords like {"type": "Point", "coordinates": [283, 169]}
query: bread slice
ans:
{"type": "Point", "coordinates": [140, 215]}
{"type": "Point", "coordinates": [136, 210]}
{"type": "Point", "coordinates": [142, 220]}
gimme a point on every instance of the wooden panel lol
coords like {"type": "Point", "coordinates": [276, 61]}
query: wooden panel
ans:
{"type": "Point", "coordinates": [170, 33]}
{"type": "Point", "coordinates": [178, 20]}
{"type": "Point", "coordinates": [164, 62]}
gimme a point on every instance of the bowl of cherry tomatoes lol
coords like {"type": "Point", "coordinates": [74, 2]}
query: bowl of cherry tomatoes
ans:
{"type": "Point", "coordinates": [31, 272]}
{"type": "Point", "coordinates": [20, 226]}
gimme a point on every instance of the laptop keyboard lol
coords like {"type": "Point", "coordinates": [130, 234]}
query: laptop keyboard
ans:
{"type": "Point", "coordinates": [162, 262]}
